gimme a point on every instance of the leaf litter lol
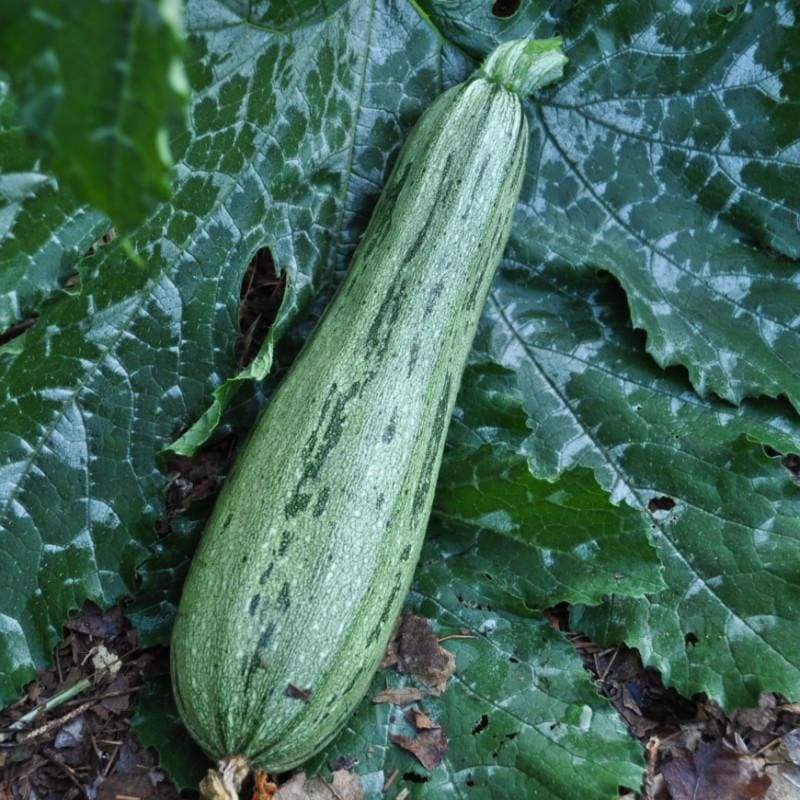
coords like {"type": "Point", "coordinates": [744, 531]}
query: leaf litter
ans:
{"type": "Point", "coordinates": [693, 749]}
{"type": "Point", "coordinates": [83, 747]}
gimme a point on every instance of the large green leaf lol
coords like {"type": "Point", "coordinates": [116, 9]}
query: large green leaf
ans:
{"type": "Point", "coordinates": [670, 156]}
{"type": "Point", "coordinates": [520, 713]}
{"type": "Point", "coordinates": [725, 517]}
{"type": "Point", "coordinates": [43, 230]}
{"type": "Point", "coordinates": [287, 133]}
{"type": "Point", "coordinates": [575, 544]}
{"type": "Point", "coordinates": [280, 16]}
{"type": "Point", "coordinates": [99, 82]}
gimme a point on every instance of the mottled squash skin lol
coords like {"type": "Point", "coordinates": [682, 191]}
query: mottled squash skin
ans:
{"type": "Point", "coordinates": [312, 545]}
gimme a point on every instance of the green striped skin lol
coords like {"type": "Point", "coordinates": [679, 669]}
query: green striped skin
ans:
{"type": "Point", "coordinates": [312, 545]}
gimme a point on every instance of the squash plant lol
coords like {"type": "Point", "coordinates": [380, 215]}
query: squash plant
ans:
{"type": "Point", "coordinates": [637, 351]}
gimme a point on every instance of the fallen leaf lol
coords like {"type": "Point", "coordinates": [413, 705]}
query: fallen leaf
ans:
{"type": "Point", "coordinates": [93, 622]}
{"type": "Point", "coordinates": [344, 786]}
{"type": "Point", "coordinates": [785, 783]}
{"type": "Point", "coordinates": [115, 702]}
{"type": "Point", "coordinates": [116, 787]}
{"type": "Point", "coordinates": [347, 785]}
{"type": "Point", "coordinates": [263, 788]}
{"type": "Point", "coordinates": [103, 660]}
{"type": "Point", "coordinates": [71, 734]}
{"type": "Point", "coordinates": [429, 746]}
{"type": "Point", "coordinates": [758, 719]}
{"type": "Point", "coordinates": [293, 789]}
{"type": "Point", "coordinates": [33, 690]}
{"type": "Point", "coordinates": [714, 773]}
{"type": "Point", "coordinates": [791, 743]}
{"type": "Point", "coordinates": [420, 654]}
{"type": "Point", "coordinates": [420, 720]}
{"type": "Point", "coordinates": [398, 697]}
{"type": "Point", "coordinates": [390, 656]}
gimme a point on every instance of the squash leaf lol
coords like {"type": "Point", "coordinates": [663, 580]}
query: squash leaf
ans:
{"type": "Point", "coordinates": [725, 517]}
{"type": "Point", "coordinates": [157, 724]}
{"type": "Point", "coordinates": [43, 230]}
{"type": "Point", "coordinates": [99, 84]}
{"type": "Point", "coordinates": [575, 544]}
{"type": "Point", "coordinates": [521, 715]}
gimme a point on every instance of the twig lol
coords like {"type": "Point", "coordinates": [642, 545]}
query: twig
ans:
{"type": "Point", "coordinates": [97, 697]}
{"type": "Point", "coordinates": [457, 636]}
{"type": "Point", "coordinates": [610, 664]}
{"type": "Point", "coordinates": [70, 774]}
{"type": "Point", "coordinates": [55, 701]}
{"type": "Point", "coordinates": [767, 746]}
{"type": "Point", "coordinates": [111, 761]}
{"type": "Point", "coordinates": [55, 723]}
{"type": "Point", "coordinates": [390, 780]}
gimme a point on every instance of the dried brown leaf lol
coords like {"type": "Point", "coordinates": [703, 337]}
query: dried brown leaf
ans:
{"type": "Point", "coordinates": [420, 720]}
{"type": "Point", "coordinates": [420, 654]}
{"type": "Point", "coordinates": [715, 773]}
{"type": "Point", "coordinates": [399, 697]}
{"type": "Point", "coordinates": [344, 786]}
{"type": "Point", "coordinates": [428, 747]}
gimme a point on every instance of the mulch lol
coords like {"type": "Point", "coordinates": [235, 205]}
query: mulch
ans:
{"type": "Point", "coordinates": [83, 748]}
{"type": "Point", "coordinates": [693, 749]}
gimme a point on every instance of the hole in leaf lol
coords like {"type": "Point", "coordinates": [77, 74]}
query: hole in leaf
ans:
{"type": "Point", "coordinates": [770, 452]}
{"type": "Point", "coordinates": [513, 735]}
{"type": "Point", "coordinates": [505, 8]}
{"type": "Point", "coordinates": [470, 782]}
{"type": "Point", "coordinates": [690, 639]}
{"type": "Point", "coordinates": [414, 777]}
{"type": "Point", "coordinates": [728, 9]}
{"type": "Point", "coordinates": [660, 504]}
{"type": "Point", "coordinates": [16, 330]}
{"type": "Point", "coordinates": [513, 659]}
{"type": "Point", "coordinates": [259, 300]}
{"type": "Point", "coordinates": [481, 725]}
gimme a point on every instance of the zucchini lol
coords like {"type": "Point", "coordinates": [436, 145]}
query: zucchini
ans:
{"type": "Point", "coordinates": [311, 547]}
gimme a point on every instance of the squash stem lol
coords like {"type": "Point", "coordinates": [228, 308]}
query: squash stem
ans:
{"type": "Point", "coordinates": [524, 65]}
{"type": "Point", "coordinates": [225, 782]}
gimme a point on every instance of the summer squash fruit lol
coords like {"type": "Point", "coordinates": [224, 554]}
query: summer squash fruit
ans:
{"type": "Point", "coordinates": [312, 544]}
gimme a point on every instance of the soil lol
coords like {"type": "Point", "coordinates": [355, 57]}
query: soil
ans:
{"type": "Point", "coordinates": [84, 748]}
